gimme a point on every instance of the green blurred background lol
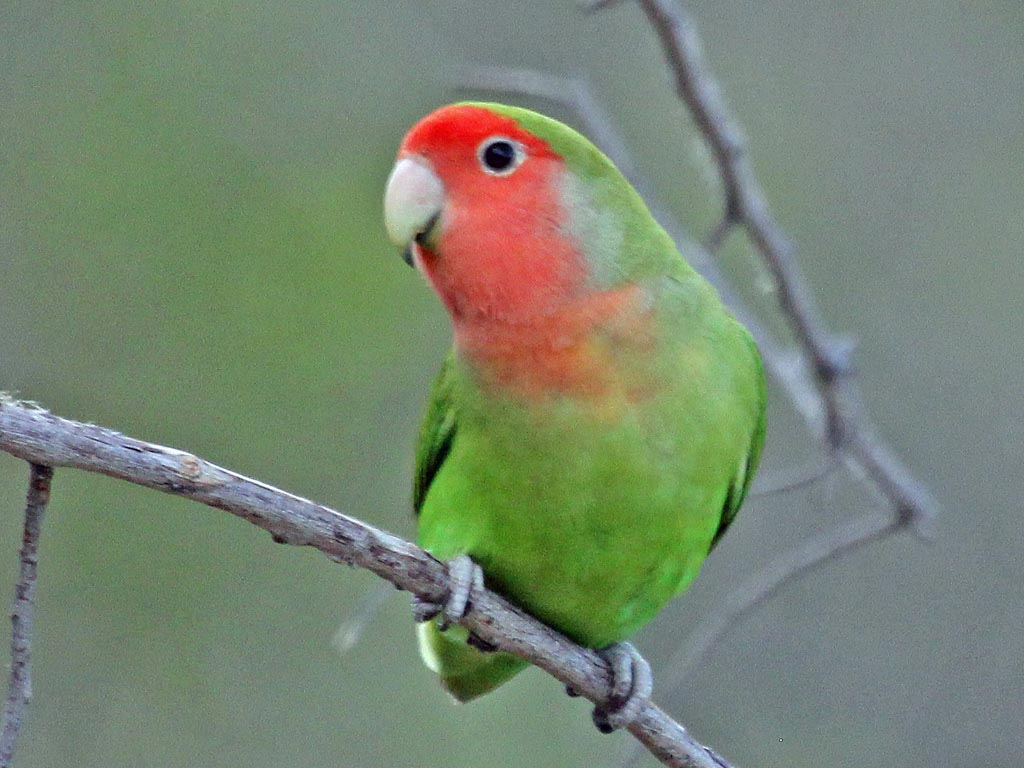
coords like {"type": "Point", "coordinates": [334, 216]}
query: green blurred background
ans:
{"type": "Point", "coordinates": [191, 251]}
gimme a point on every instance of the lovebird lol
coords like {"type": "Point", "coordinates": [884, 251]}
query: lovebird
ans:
{"type": "Point", "coordinates": [600, 416]}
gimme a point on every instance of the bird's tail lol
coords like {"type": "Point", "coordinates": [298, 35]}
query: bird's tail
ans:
{"type": "Point", "coordinates": [465, 671]}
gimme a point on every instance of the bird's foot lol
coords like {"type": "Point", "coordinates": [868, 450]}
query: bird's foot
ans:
{"type": "Point", "coordinates": [464, 576]}
{"type": "Point", "coordinates": [631, 687]}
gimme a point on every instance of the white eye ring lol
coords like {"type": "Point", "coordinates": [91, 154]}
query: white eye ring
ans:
{"type": "Point", "coordinates": [500, 156]}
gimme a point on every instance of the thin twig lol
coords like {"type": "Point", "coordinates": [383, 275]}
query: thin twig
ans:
{"type": "Point", "coordinates": [794, 480]}
{"type": "Point", "coordinates": [758, 589]}
{"type": "Point", "coordinates": [849, 430]}
{"type": "Point", "coordinates": [19, 689]}
{"type": "Point", "coordinates": [718, 235]}
{"type": "Point", "coordinates": [744, 201]}
{"type": "Point", "coordinates": [847, 425]}
{"type": "Point", "coordinates": [39, 437]}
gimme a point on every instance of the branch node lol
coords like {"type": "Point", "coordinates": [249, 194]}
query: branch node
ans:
{"type": "Point", "coordinates": [912, 516]}
{"type": "Point", "coordinates": [830, 359]}
{"type": "Point", "coordinates": [721, 231]}
{"type": "Point", "coordinates": [836, 359]}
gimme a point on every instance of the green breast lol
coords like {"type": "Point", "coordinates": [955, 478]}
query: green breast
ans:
{"type": "Point", "coordinates": [592, 516]}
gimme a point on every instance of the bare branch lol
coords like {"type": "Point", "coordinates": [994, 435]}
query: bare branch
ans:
{"type": "Point", "coordinates": [744, 201]}
{"type": "Point", "coordinates": [794, 480]}
{"type": "Point", "coordinates": [719, 234]}
{"type": "Point", "coordinates": [757, 590]}
{"type": "Point", "coordinates": [19, 689]}
{"type": "Point", "coordinates": [847, 426]}
{"type": "Point", "coordinates": [39, 437]}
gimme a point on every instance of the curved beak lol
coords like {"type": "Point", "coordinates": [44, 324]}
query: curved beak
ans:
{"type": "Point", "coordinates": [413, 201]}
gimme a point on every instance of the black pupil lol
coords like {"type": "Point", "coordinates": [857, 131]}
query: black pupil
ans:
{"type": "Point", "coordinates": [499, 155]}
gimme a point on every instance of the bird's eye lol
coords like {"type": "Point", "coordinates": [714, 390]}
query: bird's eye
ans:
{"type": "Point", "coordinates": [499, 157]}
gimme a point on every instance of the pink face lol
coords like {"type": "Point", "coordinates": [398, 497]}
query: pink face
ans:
{"type": "Point", "coordinates": [475, 198]}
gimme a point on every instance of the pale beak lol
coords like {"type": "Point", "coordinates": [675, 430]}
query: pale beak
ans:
{"type": "Point", "coordinates": [413, 201]}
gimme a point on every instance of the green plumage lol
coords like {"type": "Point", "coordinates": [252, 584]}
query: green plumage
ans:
{"type": "Point", "coordinates": [593, 517]}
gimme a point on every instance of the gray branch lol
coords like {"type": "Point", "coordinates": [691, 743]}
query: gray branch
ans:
{"type": "Point", "coordinates": [19, 689]}
{"type": "Point", "coordinates": [848, 429]}
{"type": "Point", "coordinates": [765, 584]}
{"type": "Point", "coordinates": [39, 437]}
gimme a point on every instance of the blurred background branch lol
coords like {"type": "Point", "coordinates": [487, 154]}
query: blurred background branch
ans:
{"type": "Point", "coordinates": [848, 429]}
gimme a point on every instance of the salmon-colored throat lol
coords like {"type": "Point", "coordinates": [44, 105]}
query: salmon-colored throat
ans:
{"type": "Point", "coordinates": [573, 352]}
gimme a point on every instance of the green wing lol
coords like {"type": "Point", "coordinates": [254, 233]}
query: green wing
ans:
{"type": "Point", "coordinates": [745, 475]}
{"type": "Point", "coordinates": [436, 434]}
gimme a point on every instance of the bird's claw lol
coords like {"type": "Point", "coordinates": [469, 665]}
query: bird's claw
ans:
{"type": "Point", "coordinates": [631, 687]}
{"type": "Point", "coordinates": [464, 576]}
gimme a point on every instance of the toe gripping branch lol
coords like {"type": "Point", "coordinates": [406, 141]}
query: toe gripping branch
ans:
{"type": "Point", "coordinates": [464, 576]}
{"type": "Point", "coordinates": [631, 687]}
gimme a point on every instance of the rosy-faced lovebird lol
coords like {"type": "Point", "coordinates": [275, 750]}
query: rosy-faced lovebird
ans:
{"type": "Point", "coordinates": [598, 421]}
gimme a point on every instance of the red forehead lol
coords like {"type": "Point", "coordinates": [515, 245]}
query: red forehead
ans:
{"type": "Point", "coordinates": [465, 126]}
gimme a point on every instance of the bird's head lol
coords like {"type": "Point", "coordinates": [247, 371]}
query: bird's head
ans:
{"type": "Point", "coordinates": [481, 202]}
